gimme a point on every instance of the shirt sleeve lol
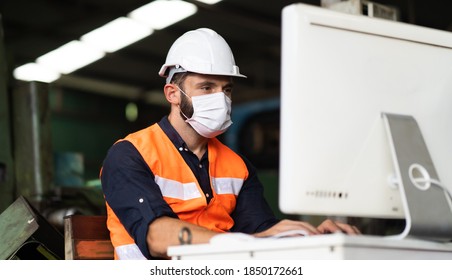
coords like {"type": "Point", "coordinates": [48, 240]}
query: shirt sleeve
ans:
{"type": "Point", "coordinates": [252, 213]}
{"type": "Point", "coordinates": [130, 190]}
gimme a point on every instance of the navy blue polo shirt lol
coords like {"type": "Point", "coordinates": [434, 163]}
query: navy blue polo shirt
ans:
{"type": "Point", "coordinates": [130, 190]}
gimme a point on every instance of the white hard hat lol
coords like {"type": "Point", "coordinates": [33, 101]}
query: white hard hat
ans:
{"type": "Point", "coordinates": [201, 51]}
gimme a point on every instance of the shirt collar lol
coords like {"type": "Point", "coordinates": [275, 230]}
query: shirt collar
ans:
{"type": "Point", "coordinates": [172, 134]}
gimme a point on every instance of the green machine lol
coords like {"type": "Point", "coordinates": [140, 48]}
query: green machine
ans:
{"type": "Point", "coordinates": [26, 235]}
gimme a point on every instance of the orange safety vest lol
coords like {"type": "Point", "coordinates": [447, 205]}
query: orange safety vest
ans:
{"type": "Point", "coordinates": [179, 186]}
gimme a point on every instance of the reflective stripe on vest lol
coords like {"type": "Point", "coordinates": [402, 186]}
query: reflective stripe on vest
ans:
{"type": "Point", "coordinates": [187, 191]}
{"type": "Point", "coordinates": [175, 189]}
{"type": "Point", "coordinates": [129, 252]}
{"type": "Point", "coordinates": [227, 185]}
{"type": "Point", "coordinates": [179, 186]}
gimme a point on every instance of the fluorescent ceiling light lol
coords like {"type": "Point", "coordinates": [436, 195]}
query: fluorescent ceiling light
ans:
{"type": "Point", "coordinates": [210, 2]}
{"type": "Point", "coordinates": [34, 72]}
{"type": "Point", "coordinates": [70, 57]}
{"type": "Point", "coordinates": [116, 34]}
{"type": "Point", "coordinates": [162, 13]}
{"type": "Point", "coordinates": [108, 38]}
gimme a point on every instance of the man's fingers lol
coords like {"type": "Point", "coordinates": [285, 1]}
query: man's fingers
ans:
{"type": "Point", "coordinates": [329, 226]}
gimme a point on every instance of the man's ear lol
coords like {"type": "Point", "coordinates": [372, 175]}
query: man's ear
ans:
{"type": "Point", "coordinates": [170, 91]}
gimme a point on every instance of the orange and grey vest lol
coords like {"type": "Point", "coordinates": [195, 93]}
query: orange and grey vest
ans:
{"type": "Point", "coordinates": [179, 186]}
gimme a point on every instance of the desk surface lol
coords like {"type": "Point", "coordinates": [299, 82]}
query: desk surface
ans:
{"type": "Point", "coordinates": [333, 246]}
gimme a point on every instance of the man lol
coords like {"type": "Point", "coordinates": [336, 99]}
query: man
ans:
{"type": "Point", "coordinates": [175, 175]}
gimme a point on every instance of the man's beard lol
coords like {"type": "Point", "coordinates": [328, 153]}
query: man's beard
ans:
{"type": "Point", "coordinates": [186, 107]}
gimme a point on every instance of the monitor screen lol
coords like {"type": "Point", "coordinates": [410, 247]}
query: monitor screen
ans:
{"type": "Point", "coordinates": [339, 73]}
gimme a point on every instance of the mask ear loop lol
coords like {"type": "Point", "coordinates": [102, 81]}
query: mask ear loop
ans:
{"type": "Point", "coordinates": [185, 116]}
{"type": "Point", "coordinates": [183, 92]}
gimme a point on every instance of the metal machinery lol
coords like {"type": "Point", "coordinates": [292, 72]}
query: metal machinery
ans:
{"type": "Point", "coordinates": [32, 207]}
{"type": "Point", "coordinates": [6, 159]}
{"type": "Point", "coordinates": [363, 7]}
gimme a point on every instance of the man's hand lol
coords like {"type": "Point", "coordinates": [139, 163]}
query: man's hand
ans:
{"type": "Point", "coordinates": [327, 226]}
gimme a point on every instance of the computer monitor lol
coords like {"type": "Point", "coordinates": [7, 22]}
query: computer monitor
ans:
{"type": "Point", "coordinates": [347, 81]}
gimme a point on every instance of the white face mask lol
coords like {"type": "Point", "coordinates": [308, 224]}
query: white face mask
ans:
{"type": "Point", "coordinates": [211, 114]}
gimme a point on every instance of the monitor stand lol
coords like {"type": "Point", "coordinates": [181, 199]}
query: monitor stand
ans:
{"type": "Point", "coordinates": [427, 205]}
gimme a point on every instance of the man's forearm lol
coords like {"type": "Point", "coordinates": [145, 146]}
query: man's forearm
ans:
{"type": "Point", "coordinates": [164, 232]}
